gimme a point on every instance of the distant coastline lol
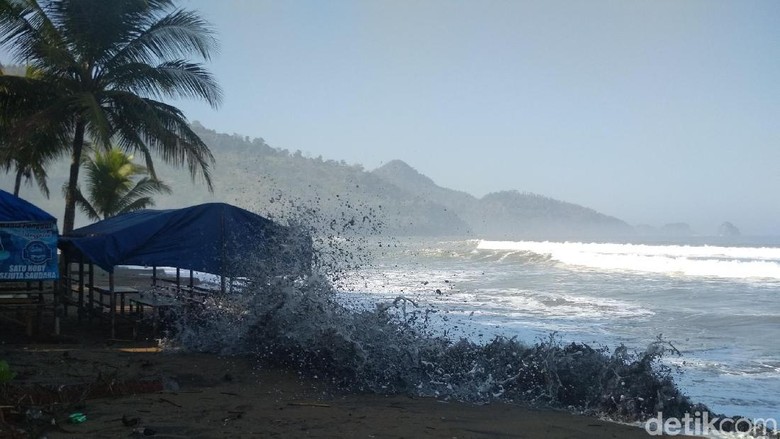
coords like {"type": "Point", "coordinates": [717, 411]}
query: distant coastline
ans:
{"type": "Point", "coordinates": [258, 177]}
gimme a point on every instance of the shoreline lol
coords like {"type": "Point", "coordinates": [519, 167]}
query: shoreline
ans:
{"type": "Point", "coordinates": [208, 396]}
{"type": "Point", "coordinates": [132, 387]}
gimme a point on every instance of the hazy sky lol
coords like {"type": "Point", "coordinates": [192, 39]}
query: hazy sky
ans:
{"type": "Point", "coordinates": [653, 111]}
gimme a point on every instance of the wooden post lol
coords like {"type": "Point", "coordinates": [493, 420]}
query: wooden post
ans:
{"type": "Point", "coordinates": [41, 305]}
{"type": "Point", "coordinates": [191, 288]}
{"type": "Point", "coordinates": [81, 287]}
{"type": "Point", "coordinates": [57, 301]}
{"type": "Point", "coordinates": [113, 303]}
{"type": "Point", "coordinates": [154, 275]}
{"type": "Point", "coordinates": [64, 283]}
{"type": "Point", "coordinates": [92, 293]}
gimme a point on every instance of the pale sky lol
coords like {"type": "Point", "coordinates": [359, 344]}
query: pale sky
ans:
{"type": "Point", "coordinates": [653, 111]}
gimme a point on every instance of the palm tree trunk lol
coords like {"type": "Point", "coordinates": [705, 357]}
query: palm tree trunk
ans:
{"type": "Point", "coordinates": [75, 165]}
{"type": "Point", "coordinates": [18, 182]}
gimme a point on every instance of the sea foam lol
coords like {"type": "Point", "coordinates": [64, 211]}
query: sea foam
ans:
{"type": "Point", "coordinates": [676, 260]}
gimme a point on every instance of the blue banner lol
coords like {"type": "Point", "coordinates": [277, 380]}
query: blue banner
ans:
{"type": "Point", "coordinates": [28, 251]}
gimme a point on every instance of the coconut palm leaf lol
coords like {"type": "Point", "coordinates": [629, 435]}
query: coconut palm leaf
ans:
{"type": "Point", "coordinates": [111, 186]}
{"type": "Point", "coordinates": [140, 196]}
{"type": "Point", "coordinates": [83, 204]}
{"type": "Point", "coordinates": [27, 148]}
{"type": "Point", "coordinates": [111, 64]}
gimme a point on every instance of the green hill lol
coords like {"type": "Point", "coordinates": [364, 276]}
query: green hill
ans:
{"type": "Point", "coordinates": [508, 214]}
{"type": "Point", "coordinates": [274, 182]}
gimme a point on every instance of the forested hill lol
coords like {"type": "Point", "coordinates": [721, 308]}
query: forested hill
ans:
{"type": "Point", "coordinates": [509, 214]}
{"type": "Point", "coordinates": [267, 180]}
{"type": "Point", "coordinates": [252, 174]}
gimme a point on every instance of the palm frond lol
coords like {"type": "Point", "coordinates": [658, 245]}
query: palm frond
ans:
{"type": "Point", "coordinates": [178, 34]}
{"type": "Point", "coordinates": [173, 79]}
{"type": "Point", "coordinates": [149, 186]}
{"type": "Point", "coordinates": [83, 203]}
{"type": "Point", "coordinates": [100, 128]}
{"type": "Point", "coordinates": [28, 30]}
{"type": "Point", "coordinates": [164, 130]}
{"type": "Point", "coordinates": [137, 204]}
{"type": "Point", "coordinates": [140, 196]}
{"type": "Point", "coordinates": [39, 172]}
{"type": "Point", "coordinates": [100, 69]}
{"type": "Point", "coordinates": [111, 184]}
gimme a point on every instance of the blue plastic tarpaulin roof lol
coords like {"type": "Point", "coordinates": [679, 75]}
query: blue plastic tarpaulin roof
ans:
{"type": "Point", "coordinates": [13, 208]}
{"type": "Point", "coordinates": [28, 241]}
{"type": "Point", "coordinates": [214, 238]}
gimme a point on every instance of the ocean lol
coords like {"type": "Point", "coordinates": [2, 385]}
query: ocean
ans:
{"type": "Point", "coordinates": [715, 300]}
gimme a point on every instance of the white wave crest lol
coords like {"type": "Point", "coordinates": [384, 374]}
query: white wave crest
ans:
{"type": "Point", "coordinates": [708, 261]}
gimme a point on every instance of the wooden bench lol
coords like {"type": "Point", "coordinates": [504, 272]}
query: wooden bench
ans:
{"type": "Point", "coordinates": [25, 311]}
{"type": "Point", "coordinates": [161, 302]}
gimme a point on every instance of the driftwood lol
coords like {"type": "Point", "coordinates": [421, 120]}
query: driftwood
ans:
{"type": "Point", "coordinates": [308, 404]}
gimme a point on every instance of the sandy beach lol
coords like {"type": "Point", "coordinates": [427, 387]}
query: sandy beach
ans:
{"type": "Point", "coordinates": [132, 388]}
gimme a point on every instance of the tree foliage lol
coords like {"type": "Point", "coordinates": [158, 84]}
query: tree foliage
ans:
{"type": "Point", "coordinates": [112, 187]}
{"type": "Point", "coordinates": [24, 150]}
{"type": "Point", "coordinates": [107, 66]}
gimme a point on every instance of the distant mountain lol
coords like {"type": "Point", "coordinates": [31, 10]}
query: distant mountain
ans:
{"type": "Point", "coordinates": [272, 181]}
{"type": "Point", "coordinates": [677, 229]}
{"type": "Point", "coordinates": [513, 214]}
{"type": "Point", "coordinates": [403, 176]}
{"type": "Point", "coordinates": [728, 229]}
{"type": "Point", "coordinates": [508, 214]}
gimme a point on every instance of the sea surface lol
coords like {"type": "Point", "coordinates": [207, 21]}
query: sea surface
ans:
{"type": "Point", "coordinates": [716, 300]}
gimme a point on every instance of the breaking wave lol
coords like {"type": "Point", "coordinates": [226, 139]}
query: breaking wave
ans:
{"type": "Point", "coordinates": [302, 322]}
{"type": "Point", "coordinates": [298, 322]}
{"type": "Point", "coordinates": [679, 260]}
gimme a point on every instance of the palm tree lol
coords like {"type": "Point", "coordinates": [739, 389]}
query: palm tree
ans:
{"type": "Point", "coordinates": [106, 65]}
{"type": "Point", "coordinates": [111, 188]}
{"type": "Point", "coordinates": [29, 161]}
{"type": "Point", "coordinates": [27, 153]}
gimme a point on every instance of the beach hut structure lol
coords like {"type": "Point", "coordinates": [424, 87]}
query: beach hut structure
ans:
{"type": "Point", "coordinates": [28, 261]}
{"type": "Point", "coordinates": [215, 238]}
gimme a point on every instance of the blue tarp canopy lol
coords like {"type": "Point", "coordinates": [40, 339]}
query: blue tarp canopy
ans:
{"type": "Point", "coordinates": [13, 208]}
{"type": "Point", "coordinates": [214, 238]}
{"type": "Point", "coordinates": [28, 241]}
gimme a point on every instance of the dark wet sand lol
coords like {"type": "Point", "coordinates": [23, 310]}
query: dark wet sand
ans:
{"type": "Point", "coordinates": [211, 397]}
{"type": "Point", "coordinates": [206, 396]}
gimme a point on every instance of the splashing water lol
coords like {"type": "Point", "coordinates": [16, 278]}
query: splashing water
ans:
{"type": "Point", "coordinates": [297, 322]}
